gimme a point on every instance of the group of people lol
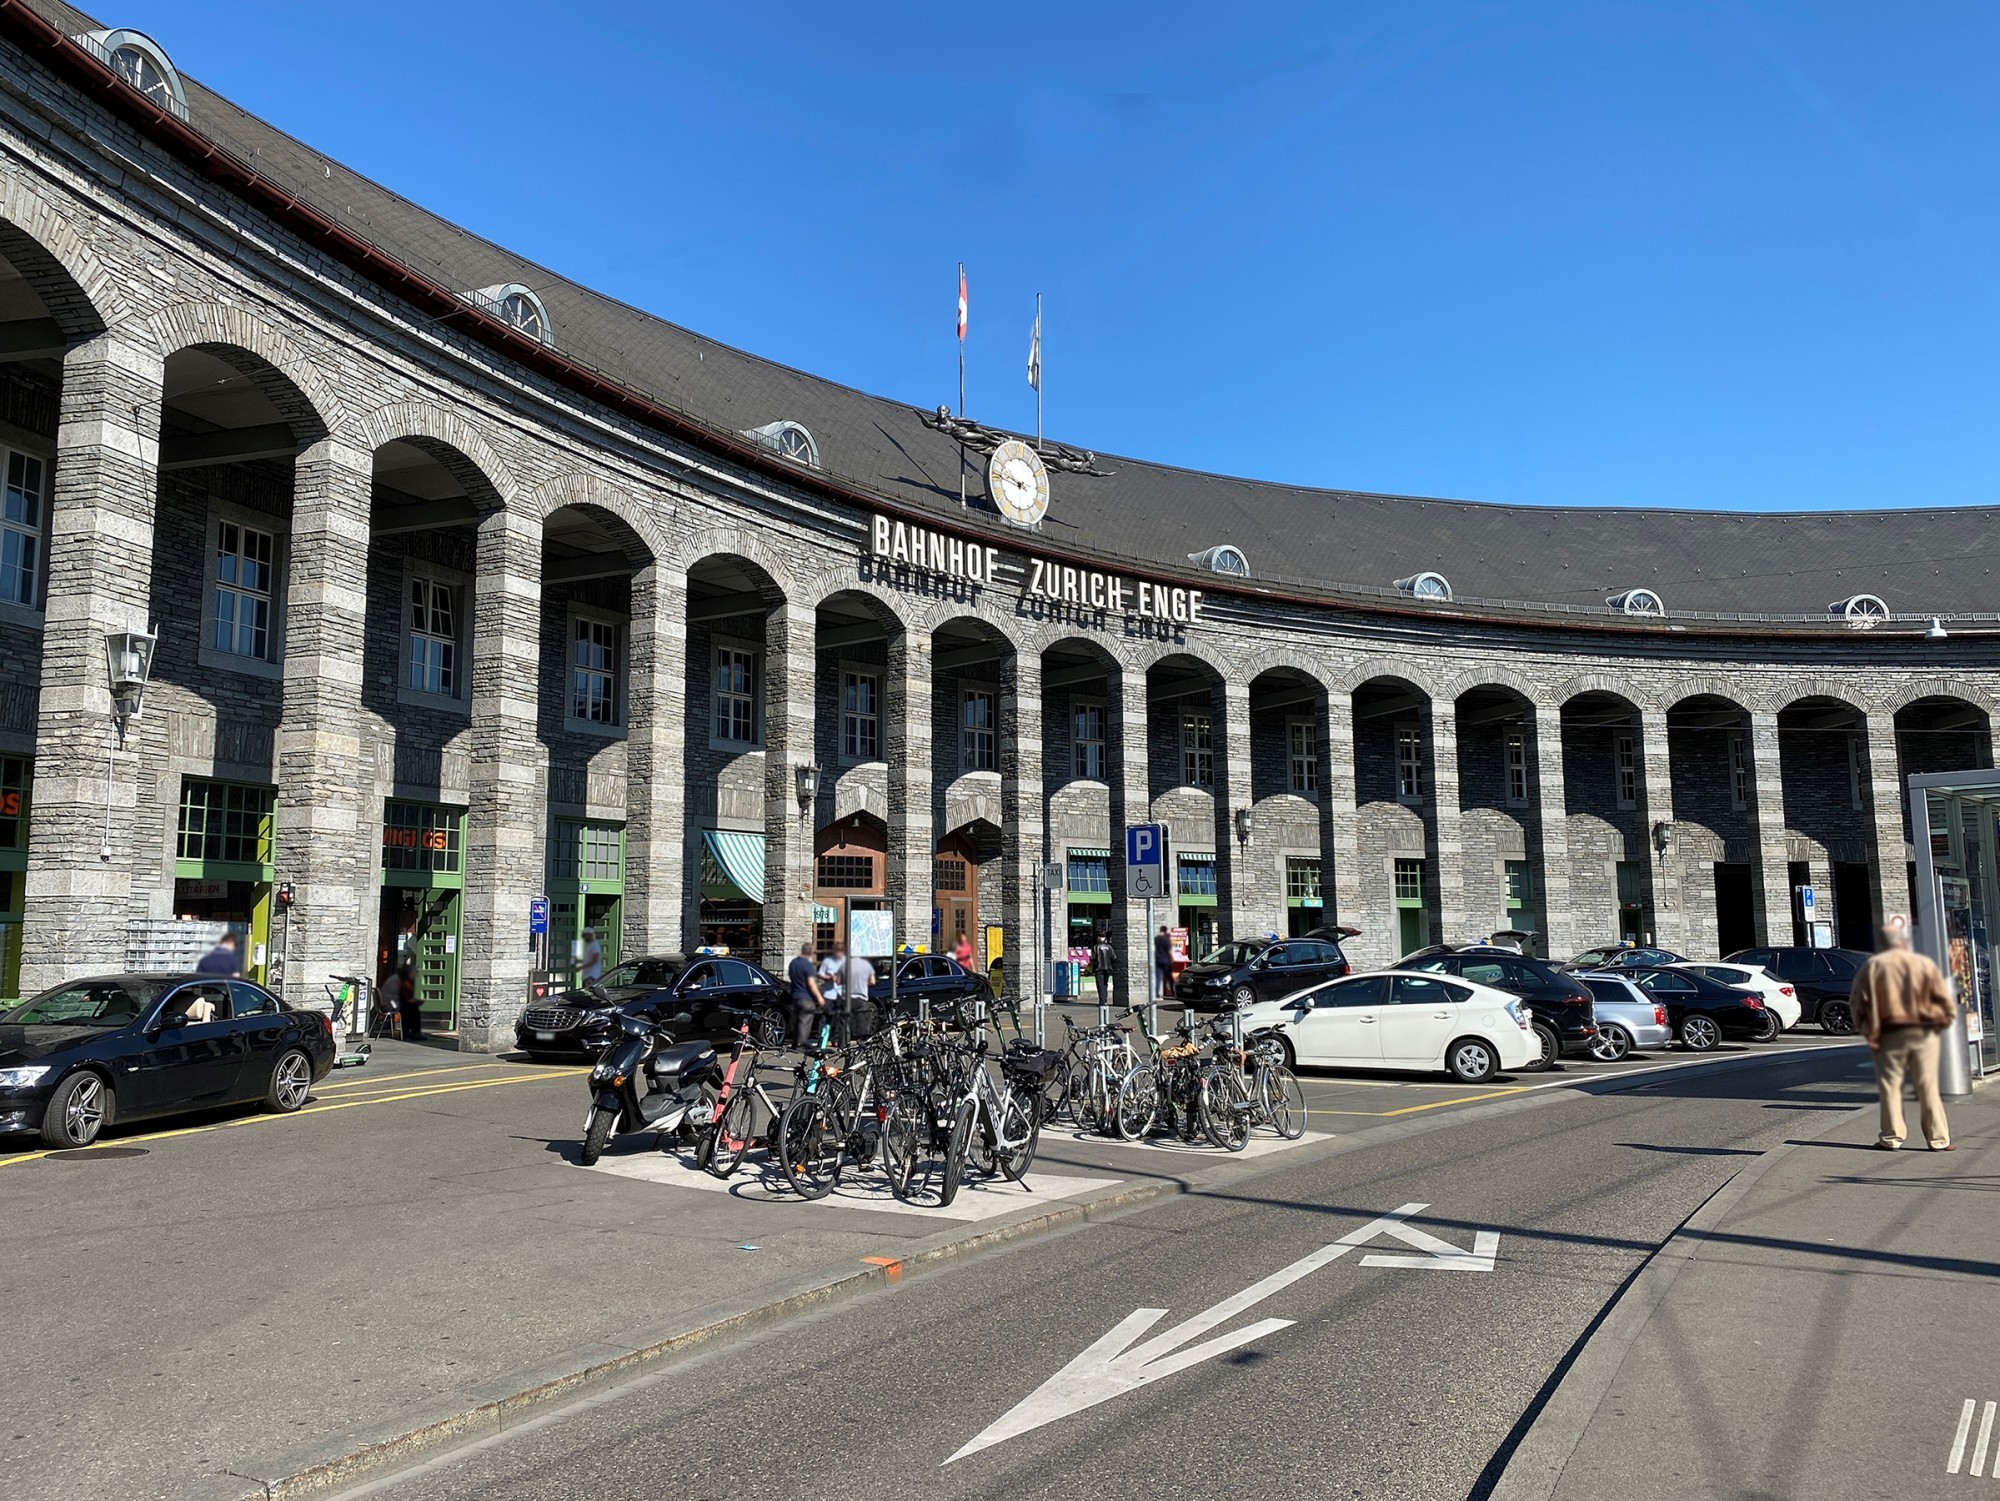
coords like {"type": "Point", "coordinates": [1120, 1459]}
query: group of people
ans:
{"type": "Point", "coordinates": [834, 987]}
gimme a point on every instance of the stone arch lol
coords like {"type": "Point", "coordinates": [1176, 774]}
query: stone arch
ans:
{"type": "Point", "coordinates": [1366, 670]}
{"type": "Point", "coordinates": [743, 544]}
{"type": "Point", "coordinates": [455, 443]}
{"type": "Point", "coordinates": [588, 491]}
{"type": "Point", "coordinates": [75, 285]}
{"type": "Point", "coordinates": [1906, 691]}
{"type": "Point", "coordinates": [300, 389]}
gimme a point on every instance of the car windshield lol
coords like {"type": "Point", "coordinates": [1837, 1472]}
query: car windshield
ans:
{"type": "Point", "coordinates": [94, 1003]}
{"type": "Point", "coordinates": [1233, 954]}
{"type": "Point", "coordinates": [643, 972]}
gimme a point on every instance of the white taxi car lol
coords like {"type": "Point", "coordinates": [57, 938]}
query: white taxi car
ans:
{"type": "Point", "coordinates": [1780, 999]}
{"type": "Point", "coordinates": [1397, 1019]}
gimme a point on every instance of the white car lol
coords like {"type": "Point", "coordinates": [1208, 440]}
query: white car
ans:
{"type": "Point", "coordinates": [1779, 998]}
{"type": "Point", "coordinates": [1403, 1020]}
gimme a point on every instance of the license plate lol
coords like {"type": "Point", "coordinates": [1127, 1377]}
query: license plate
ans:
{"type": "Point", "coordinates": [545, 1037]}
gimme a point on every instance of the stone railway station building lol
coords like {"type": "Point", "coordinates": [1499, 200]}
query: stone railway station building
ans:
{"type": "Point", "coordinates": [471, 585]}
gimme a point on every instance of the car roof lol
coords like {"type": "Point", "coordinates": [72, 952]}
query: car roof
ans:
{"type": "Point", "coordinates": [150, 977]}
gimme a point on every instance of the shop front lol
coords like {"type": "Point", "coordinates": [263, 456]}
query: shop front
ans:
{"type": "Point", "coordinates": [222, 863]}
{"type": "Point", "coordinates": [1194, 872]}
{"type": "Point", "coordinates": [16, 783]}
{"type": "Point", "coordinates": [586, 898]}
{"type": "Point", "coordinates": [1305, 907]}
{"type": "Point", "coordinates": [731, 914]}
{"type": "Point", "coordinates": [423, 888]}
{"type": "Point", "coordinates": [1089, 896]}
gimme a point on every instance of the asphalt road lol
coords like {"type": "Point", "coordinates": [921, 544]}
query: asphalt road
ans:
{"type": "Point", "coordinates": [1387, 1381]}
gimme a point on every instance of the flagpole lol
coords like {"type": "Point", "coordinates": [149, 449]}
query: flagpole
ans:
{"type": "Point", "coordinates": [1038, 370]}
{"type": "Point", "coordinates": [961, 380]}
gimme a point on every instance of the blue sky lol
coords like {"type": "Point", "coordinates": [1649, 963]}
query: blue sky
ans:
{"type": "Point", "coordinates": [1692, 253]}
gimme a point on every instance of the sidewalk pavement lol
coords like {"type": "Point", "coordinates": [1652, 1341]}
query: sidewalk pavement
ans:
{"type": "Point", "coordinates": [1820, 1329]}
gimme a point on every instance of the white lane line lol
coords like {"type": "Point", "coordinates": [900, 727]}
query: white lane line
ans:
{"type": "Point", "coordinates": [760, 1182]}
{"type": "Point", "coordinates": [1958, 1439]}
{"type": "Point", "coordinates": [1258, 1146]}
{"type": "Point", "coordinates": [1985, 1436]}
{"type": "Point", "coordinates": [1765, 1051]}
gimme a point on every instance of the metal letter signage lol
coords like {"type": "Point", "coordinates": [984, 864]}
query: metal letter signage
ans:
{"type": "Point", "coordinates": [1147, 871]}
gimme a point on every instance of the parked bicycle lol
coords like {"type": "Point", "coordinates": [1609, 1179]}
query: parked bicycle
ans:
{"type": "Point", "coordinates": [1279, 1097]}
{"type": "Point", "coordinates": [730, 1138]}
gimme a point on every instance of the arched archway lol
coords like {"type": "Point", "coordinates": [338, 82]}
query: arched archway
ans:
{"type": "Point", "coordinates": [1291, 861]}
{"type": "Point", "coordinates": [1405, 784]}
{"type": "Point", "coordinates": [1616, 888]}
{"type": "Point", "coordinates": [1501, 768]}
{"type": "Point", "coordinates": [1829, 819]}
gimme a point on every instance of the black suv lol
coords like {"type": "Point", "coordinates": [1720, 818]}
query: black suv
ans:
{"type": "Point", "coordinates": [942, 982]}
{"type": "Point", "coordinates": [1616, 956]}
{"type": "Point", "coordinates": [1822, 979]}
{"type": "Point", "coordinates": [658, 986]}
{"type": "Point", "coordinates": [1259, 969]}
{"type": "Point", "coordinates": [1560, 1008]}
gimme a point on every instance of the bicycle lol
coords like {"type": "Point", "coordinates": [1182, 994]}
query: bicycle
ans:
{"type": "Point", "coordinates": [928, 1137]}
{"type": "Point", "coordinates": [1190, 1097]}
{"type": "Point", "coordinates": [728, 1140]}
{"type": "Point", "coordinates": [1280, 1098]}
{"type": "Point", "coordinates": [828, 1122]}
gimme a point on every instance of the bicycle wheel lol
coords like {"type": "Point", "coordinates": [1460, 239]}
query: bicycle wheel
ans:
{"type": "Point", "coordinates": [1138, 1103]}
{"type": "Point", "coordinates": [957, 1148]}
{"type": "Point", "coordinates": [810, 1137]}
{"type": "Point", "coordinates": [1283, 1100]}
{"type": "Point", "coordinates": [1018, 1123]}
{"type": "Point", "coordinates": [732, 1137]}
{"type": "Point", "coordinates": [1225, 1106]}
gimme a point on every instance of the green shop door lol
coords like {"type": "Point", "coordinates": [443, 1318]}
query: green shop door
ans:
{"type": "Point", "coordinates": [587, 894]}
{"type": "Point", "coordinates": [423, 882]}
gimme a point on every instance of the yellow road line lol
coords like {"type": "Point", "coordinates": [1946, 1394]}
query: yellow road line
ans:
{"type": "Point", "coordinates": [415, 1073]}
{"type": "Point", "coordinates": [252, 1120]}
{"type": "Point", "coordinates": [385, 1087]}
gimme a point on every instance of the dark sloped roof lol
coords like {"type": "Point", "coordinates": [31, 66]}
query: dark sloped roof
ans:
{"type": "Point", "coordinates": [1153, 515]}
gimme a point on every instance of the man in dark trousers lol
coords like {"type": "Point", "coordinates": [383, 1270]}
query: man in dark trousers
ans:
{"type": "Point", "coordinates": [1163, 964]}
{"type": "Point", "coordinates": [807, 1001]}
{"type": "Point", "coordinates": [1102, 958]}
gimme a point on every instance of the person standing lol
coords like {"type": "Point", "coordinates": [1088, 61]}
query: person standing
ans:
{"type": "Point", "coordinates": [1901, 1006]}
{"type": "Point", "coordinates": [592, 967]}
{"type": "Point", "coordinates": [962, 951]}
{"type": "Point", "coordinates": [832, 968]}
{"type": "Point", "coordinates": [807, 1002]}
{"type": "Point", "coordinates": [1102, 958]}
{"type": "Point", "coordinates": [409, 1004]}
{"type": "Point", "coordinates": [856, 982]}
{"type": "Point", "coordinates": [223, 959]}
{"type": "Point", "coordinates": [1163, 964]}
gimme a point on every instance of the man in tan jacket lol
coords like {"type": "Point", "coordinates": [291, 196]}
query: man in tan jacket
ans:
{"type": "Point", "coordinates": [1901, 1005]}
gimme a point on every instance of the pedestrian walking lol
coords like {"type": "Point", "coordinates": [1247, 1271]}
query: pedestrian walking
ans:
{"type": "Point", "coordinates": [1902, 1005]}
{"type": "Point", "coordinates": [807, 1001]}
{"type": "Point", "coordinates": [1102, 958]}
{"type": "Point", "coordinates": [223, 959]}
{"type": "Point", "coordinates": [592, 968]}
{"type": "Point", "coordinates": [1163, 964]}
{"type": "Point", "coordinates": [962, 951]}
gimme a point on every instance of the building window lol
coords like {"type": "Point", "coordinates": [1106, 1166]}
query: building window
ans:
{"type": "Point", "coordinates": [243, 590]}
{"type": "Point", "coordinates": [1302, 738]}
{"type": "Point", "coordinates": [950, 875]}
{"type": "Point", "coordinates": [596, 656]}
{"type": "Point", "coordinates": [1517, 768]}
{"type": "Point", "coordinates": [1520, 885]}
{"type": "Point", "coordinates": [1410, 881]}
{"type": "Point", "coordinates": [1409, 763]}
{"type": "Point", "coordinates": [421, 836]}
{"type": "Point", "coordinates": [1196, 875]}
{"type": "Point", "coordinates": [978, 747]}
{"type": "Point", "coordinates": [1739, 774]}
{"type": "Point", "coordinates": [21, 531]}
{"type": "Point", "coordinates": [1854, 776]}
{"type": "Point", "coordinates": [225, 821]}
{"type": "Point", "coordinates": [1090, 871]}
{"type": "Point", "coordinates": [1302, 882]}
{"type": "Point", "coordinates": [735, 695]}
{"type": "Point", "coordinates": [16, 784]}
{"type": "Point", "coordinates": [847, 872]}
{"type": "Point", "coordinates": [433, 642]}
{"type": "Point", "coordinates": [860, 716]}
{"type": "Point", "coordinates": [587, 850]}
{"type": "Point", "coordinates": [1628, 773]}
{"type": "Point", "coordinates": [1088, 740]}
{"type": "Point", "coordinates": [1197, 750]}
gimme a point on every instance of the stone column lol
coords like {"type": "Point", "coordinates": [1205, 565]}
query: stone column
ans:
{"type": "Point", "coordinates": [1559, 932]}
{"type": "Point", "coordinates": [1889, 865]}
{"type": "Point", "coordinates": [1448, 844]}
{"type": "Point", "coordinates": [100, 562]}
{"type": "Point", "coordinates": [1131, 785]}
{"type": "Point", "coordinates": [1023, 814]}
{"type": "Point", "coordinates": [655, 751]}
{"type": "Point", "coordinates": [1344, 889]}
{"type": "Point", "coordinates": [906, 701]}
{"type": "Point", "coordinates": [1768, 817]}
{"type": "Point", "coordinates": [1239, 912]}
{"type": "Point", "coordinates": [319, 831]}
{"type": "Point", "coordinates": [506, 826]}
{"type": "Point", "coordinates": [1656, 805]}
{"type": "Point", "coordinates": [790, 667]}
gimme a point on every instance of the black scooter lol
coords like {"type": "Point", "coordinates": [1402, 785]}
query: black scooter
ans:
{"type": "Point", "coordinates": [645, 1081]}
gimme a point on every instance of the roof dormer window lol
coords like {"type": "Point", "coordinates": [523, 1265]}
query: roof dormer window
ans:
{"type": "Point", "coordinates": [1861, 611]}
{"type": "Point", "coordinates": [788, 440]}
{"type": "Point", "coordinates": [1430, 586]}
{"type": "Point", "coordinates": [516, 306]}
{"type": "Point", "coordinates": [139, 61]}
{"type": "Point", "coordinates": [1638, 602]}
{"type": "Point", "coordinates": [1222, 559]}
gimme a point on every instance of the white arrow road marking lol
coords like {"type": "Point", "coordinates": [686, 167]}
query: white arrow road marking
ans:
{"type": "Point", "coordinates": [1108, 1368]}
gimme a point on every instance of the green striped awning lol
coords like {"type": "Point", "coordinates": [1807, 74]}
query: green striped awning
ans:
{"type": "Point", "coordinates": [734, 867]}
{"type": "Point", "coordinates": [1077, 854]}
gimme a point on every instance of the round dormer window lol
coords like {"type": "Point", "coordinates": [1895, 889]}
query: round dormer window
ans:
{"type": "Point", "coordinates": [1638, 602]}
{"type": "Point", "coordinates": [137, 61]}
{"type": "Point", "coordinates": [1223, 559]}
{"type": "Point", "coordinates": [525, 313]}
{"type": "Point", "coordinates": [1860, 610]}
{"type": "Point", "coordinates": [143, 72]}
{"type": "Point", "coordinates": [795, 443]}
{"type": "Point", "coordinates": [1431, 586]}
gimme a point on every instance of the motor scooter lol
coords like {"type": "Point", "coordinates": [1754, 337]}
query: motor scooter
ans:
{"type": "Point", "coordinates": [645, 1081]}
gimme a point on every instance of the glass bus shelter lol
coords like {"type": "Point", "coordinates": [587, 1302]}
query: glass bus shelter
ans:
{"type": "Point", "coordinates": [1954, 820]}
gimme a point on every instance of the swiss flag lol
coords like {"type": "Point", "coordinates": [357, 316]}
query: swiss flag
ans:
{"type": "Point", "coordinates": [961, 302]}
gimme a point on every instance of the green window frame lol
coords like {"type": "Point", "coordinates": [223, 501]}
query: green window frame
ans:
{"type": "Point", "coordinates": [423, 844]}
{"type": "Point", "coordinates": [1409, 883]}
{"type": "Point", "coordinates": [1090, 877]}
{"type": "Point", "coordinates": [1520, 885]}
{"type": "Point", "coordinates": [1194, 878]}
{"type": "Point", "coordinates": [590, 851]}
{"type": "Point", "coordinates": [224, 831]}
{"type": "Point", "coordinates": [1302, 882]}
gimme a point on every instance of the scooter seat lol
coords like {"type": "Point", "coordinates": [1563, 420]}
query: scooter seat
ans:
{"type": "Point", "coordinates": [681, 1061]}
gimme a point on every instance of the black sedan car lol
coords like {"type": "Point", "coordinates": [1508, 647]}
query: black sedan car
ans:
{"type": "Point", "coordinates": [581, 1022]}
{"type": "Point", "coordinates": [1259, 969]}
{"type": "Point", "coordinates": [124, 1047]}
{"type": "Point", "coordinates": [1621, 956]}
{"type": "Point", "coordinates": [942, 982]}
{"type": "Point", "coordinates": [1702, 1011]}
{"type": "Point", "coordinates": [1560, 1006]}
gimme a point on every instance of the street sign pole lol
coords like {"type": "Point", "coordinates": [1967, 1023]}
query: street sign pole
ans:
{"type": "Point", "coordinates": [1152, 980]}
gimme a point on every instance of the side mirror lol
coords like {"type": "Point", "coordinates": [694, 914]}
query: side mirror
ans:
{"type": "Point", "coordinates": [170, 1023]}
{"type": "Point", "coordinates": [1304, 1003]}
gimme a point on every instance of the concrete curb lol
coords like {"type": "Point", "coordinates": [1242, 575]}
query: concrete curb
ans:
{"type": "Point", "coordinates": [1536, 1467]}
{"type": "Point", "coordinates": [394, 1448]}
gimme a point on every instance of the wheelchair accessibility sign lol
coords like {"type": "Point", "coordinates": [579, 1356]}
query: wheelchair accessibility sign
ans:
{"type": "Point", "coordinates": [1149, 871]}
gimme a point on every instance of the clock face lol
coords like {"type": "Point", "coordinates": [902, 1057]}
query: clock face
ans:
{"type": "Point", "coordinates": [1018, 482]}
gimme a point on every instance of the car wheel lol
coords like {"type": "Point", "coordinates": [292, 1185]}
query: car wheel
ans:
{"type": "Point", "coordinates": [1471, 1061]}
{"type": "Point", "coordinates": [1613, 1043]}
{"type": "Point", "coordinates": [1550, 1044]}
{"type": "Point", "coordinates": [291, 1082]}
{"type": "Point", "coordinates": [1836, 1017]}
{"type": "Point", "coordinates": [1769, 1027]}
{"type": "Point", "coordinates": [1291, 1053]}
{"type": "Point", "coordinates": [78, 1111]}
{"type": "Point", "coordinates": [1242, 995]}
{"type": "Point", "coordinates": [1699, 1033]}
